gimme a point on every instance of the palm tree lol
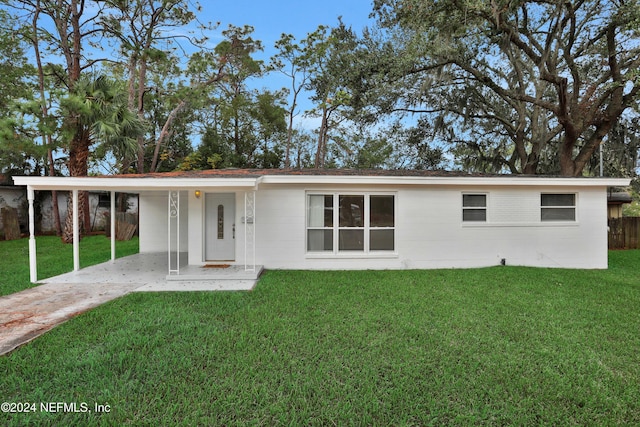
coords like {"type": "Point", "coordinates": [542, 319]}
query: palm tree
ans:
{"type": "Point", "coordinates": [96, 111]}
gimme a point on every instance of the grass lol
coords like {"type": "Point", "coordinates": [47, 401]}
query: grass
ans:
{"type": "Point", "coordinates": [494, 346]}
{"type": "Point", "coordinates": [54, 258]}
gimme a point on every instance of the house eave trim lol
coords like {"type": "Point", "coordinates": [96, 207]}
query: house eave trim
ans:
{"type": "Point", "coordinates": [150, 184]}
{"type": "Point", "coordinates": [132, 185]}
{"type": "Point", "coordinates": [446, 181]}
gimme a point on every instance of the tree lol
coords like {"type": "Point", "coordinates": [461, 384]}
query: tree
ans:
{"type": "Point", "coordinates": [243, 126]}
{"type": "Point", "coordinates": [146, 30]}
{"type": "Point", "coordinates": [330, 56]}
{"type": "Point", "coordinates": [99, 113]}
{"type": "Point", "coordinates": [44, 117]}
{"type": "Point", "coordinates": [540, 74]}
{"type": "Point", "coordinates": [18, 153]}
{"type": "Point", "coordinates": [298, 62]}
{"type": "Point", "coordinates": [67, 27]}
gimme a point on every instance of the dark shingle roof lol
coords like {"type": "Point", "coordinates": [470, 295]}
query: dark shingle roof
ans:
{"type": "Point", "coordinates": [620, 197]}
{"type": "Point", "coordinates": [256, 173]}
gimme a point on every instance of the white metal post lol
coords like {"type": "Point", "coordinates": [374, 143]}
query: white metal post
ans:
{"type": "Point", "coordinates": [113, 226]}
{"type": "Point", "coordinates": [76, 233]}
{"type": "Point", "coordinates": [249, 231]}
{"type": "Point", "coordinates": [33, 265]}
{"type": "Point", "coordinates": [173, 213]}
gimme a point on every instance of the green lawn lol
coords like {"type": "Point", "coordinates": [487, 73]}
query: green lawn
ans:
{"type": "Point", "coordinates": [494, 346]}
{"type": "Point", "coordinates": [54, 258]}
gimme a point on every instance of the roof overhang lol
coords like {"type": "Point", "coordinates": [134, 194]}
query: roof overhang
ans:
{"type": "Point", "coordinates": [467, 181]}
{"type": "Point", "coordinates": [122, 183]}
{"type": "Point", "coordinates": [130, 185]}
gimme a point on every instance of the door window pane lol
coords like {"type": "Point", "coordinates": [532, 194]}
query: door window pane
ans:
{"type": "Point", "coordinates": [220, 222]}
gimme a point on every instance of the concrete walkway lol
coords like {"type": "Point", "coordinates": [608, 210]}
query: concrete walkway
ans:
{"type": "Point", "coordinates": [28, 314]}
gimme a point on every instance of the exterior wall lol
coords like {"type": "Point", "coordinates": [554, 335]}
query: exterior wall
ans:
{"type": "Point", "coordinates": [614, 211]}
{"type": "Point", "coordinates": [14, 197]}
{"type": "Point", "coordinates": [430, 232]}
{"type": "Point", "coordinates": [153, 222]}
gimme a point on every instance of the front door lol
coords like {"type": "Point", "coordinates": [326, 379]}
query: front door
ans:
{"type": "Point", "coordinates": [220, 227]}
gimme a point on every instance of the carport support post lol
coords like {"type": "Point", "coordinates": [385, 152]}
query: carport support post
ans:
{"type": "Point", "coordinates": [33, 265]}
{"type": "Point", "coordinates": [113, 226]}
{"type": "Point", "coordinates": [76, 233]}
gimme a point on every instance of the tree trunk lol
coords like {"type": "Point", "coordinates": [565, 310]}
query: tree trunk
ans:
{"type": "Point", "coordinates": [287, 155]}
{"type": "Point", "coordinates": [322, 136]}
{"type": "Point", "coordinates": [164, 133]}
{"type": "Point", "coordinates": [46, 137]}
{"type": "Point", "coordinates": [141, 88]}
{"type": "Point", "coordinates": [78, 156]}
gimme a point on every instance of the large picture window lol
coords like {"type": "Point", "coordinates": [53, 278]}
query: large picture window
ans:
{"type": "Point", "coordinates": [558, 207]}
{"type": "Point", "coordinates": [358, 223]}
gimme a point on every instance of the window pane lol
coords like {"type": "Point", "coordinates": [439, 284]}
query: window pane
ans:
{"type": "Point", "coordinates": [328, 211]}
{"type": "Point", "coordinates": [474, 214]}
{"type": "Point", "coordinates": [351, 240]}
{"type": "Point", "coordinates": [381, 240]}
{"type": "Point", "coordinates": [319, 240]}
{"type": "Point", "coordinates": [558, 214]}
{"type": "Point", "coordinates": [351, 211]}
{"type": "Point", "coordinates": [381, 211]}
{"type": "Point", "coordinates": [558, 199]}
{"type": "Point", "coordinates": [220, 222]}
{"type": "Point", "coordinates": [474, 200]}
{"type": "Point", "coordinates": [320, 211]}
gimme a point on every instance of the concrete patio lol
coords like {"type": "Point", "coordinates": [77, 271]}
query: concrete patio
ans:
{"type": "Point", "coordinates": [149, 272]}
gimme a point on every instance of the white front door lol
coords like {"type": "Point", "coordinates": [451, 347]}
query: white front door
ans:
{"type": "Point", "coordinates": [220, 227]}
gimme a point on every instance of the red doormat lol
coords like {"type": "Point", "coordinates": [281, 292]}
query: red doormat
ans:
{"type": "Point", "coordinates": [217, 266]}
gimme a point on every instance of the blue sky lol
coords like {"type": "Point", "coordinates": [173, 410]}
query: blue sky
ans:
{"type": "Point", "coordinates": [271, 18]}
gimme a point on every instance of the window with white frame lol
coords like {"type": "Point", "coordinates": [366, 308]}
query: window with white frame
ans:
{"type": "Point", "coordinates": [557, 207]}
{"type": "Point", "coordinates": [474, 207]}
{"type": "Point", "coordinates": [350, 222]}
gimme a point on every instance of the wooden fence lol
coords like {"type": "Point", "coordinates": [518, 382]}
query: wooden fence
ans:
{"type": "Point", "coordinates": [126, 226]}
{"type": "Point", "coordinates": [624, 233]}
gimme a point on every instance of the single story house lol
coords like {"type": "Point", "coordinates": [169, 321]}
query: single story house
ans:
{"type": "Point", "coordinates": [358, 219]}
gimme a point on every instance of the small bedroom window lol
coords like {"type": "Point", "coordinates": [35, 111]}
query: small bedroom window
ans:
{"type": "Point", "coordinates": [557, 207]}
{"type": "Point", "coordinates": [474, 207]}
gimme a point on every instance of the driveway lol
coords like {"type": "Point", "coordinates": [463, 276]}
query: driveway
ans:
{"type": "Point", "coordinates": [28, 314]}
